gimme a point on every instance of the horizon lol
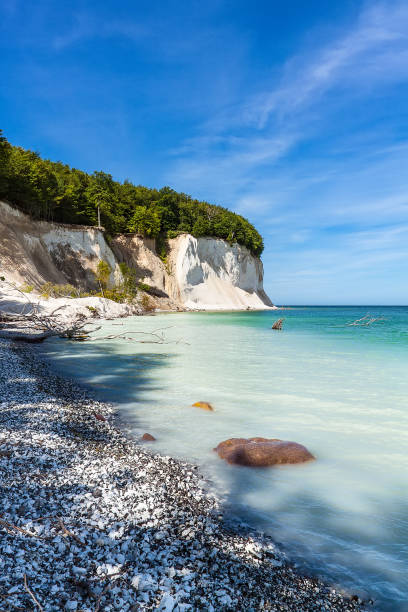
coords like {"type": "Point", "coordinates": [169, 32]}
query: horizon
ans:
{"type": "Point", "coordinates": [293, 116]}
{"type": "Point", "coordinates": [343, 305]}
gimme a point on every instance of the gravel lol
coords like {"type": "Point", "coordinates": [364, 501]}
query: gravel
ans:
{"type": "Point", "coordinates": [91, 521]}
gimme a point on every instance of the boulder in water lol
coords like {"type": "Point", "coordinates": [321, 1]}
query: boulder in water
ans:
{"type": "Point", "coordinates": [262, 452]}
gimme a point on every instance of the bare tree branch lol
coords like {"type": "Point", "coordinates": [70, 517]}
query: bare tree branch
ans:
{"type": "Point", "coordinates": [36, 327]}
{"type": "Point", "coordinates": [365, 321]}
{"type": "Point", "coordinates": [33, 597]}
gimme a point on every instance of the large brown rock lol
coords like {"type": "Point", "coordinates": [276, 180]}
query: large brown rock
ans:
{"type": "Point", "coordinates": [262, 452]}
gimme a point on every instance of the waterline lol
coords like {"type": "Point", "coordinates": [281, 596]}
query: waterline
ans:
{"type": "Point", "coordinates": [340, 391]}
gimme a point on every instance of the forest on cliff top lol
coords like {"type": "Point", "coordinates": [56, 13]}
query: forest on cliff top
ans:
{"type": "Point", "coordinates": [53, 191]}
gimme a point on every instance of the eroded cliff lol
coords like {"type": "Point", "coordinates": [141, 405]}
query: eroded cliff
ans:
{"type": "Point", "coordinates": [36, 252]}
{"type": "Point", "coordinates": [200, 273]}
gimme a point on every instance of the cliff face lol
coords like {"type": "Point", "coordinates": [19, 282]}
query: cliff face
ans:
{"type": "Point", "coordinates": [36, 252]}
{"type": "Point", "coordinates": [210, 274]}
{"type": "Point", "coordinates": [203, 273]}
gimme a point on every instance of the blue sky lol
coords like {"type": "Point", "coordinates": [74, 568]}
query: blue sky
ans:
{"type": "Point", "coordinates": [294, 114]}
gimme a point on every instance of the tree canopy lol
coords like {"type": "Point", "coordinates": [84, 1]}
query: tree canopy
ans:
{"type": "Point", "coordinates": [54, 191]}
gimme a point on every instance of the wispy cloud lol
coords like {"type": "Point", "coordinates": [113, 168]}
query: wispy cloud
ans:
{"type": "Point", "coordinates": [364, 55]}
{"type": "Point", "coordinates": [302, 161]}
{"type": "Point", "coordinates": [374, 51]}
{"type": "Point", "coordinates": [86, 27]}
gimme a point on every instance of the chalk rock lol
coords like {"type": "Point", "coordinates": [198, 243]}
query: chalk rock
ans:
{"type": "Point", "coordinates": [262, 452]}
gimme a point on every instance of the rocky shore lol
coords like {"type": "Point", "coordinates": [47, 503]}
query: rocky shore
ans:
{"type": "Point", "coordinates": [90, 521]}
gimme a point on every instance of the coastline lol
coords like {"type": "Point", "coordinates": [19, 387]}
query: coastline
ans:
{"type": "Point", "coordinates": [106, 524]}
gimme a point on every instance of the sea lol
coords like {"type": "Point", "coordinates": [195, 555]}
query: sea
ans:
{"type": "Point", "coordinates": [340, 389]}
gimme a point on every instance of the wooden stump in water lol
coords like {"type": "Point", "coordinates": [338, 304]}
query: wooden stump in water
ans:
{"type": "Point", "coordinates": [278, 324]}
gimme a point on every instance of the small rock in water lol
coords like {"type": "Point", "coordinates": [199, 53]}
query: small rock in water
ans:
{"type": "Point", "coordinates": [203, 406]}
{"type": "Point", "coordinates": [148, 437]}
{"type": "Point", "coordinates": [100, 417]}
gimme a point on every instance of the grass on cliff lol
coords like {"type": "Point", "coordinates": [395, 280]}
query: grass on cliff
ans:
{"type": "Point", "coordinates": [126, 291]}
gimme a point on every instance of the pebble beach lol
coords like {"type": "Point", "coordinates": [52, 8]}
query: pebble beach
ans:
{"type": "Point", "coordinates": [91, 520]}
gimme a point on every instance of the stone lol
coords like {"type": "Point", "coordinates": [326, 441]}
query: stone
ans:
{"type": "Point", "coordinates": [262, 452]}
{"type": "Point", "coordinates": [148, 437]}
{"type": "Point", "coordinates": [203, 406]}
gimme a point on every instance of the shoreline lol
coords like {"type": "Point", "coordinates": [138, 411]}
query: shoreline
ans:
{"type": "Point", "coordinates": [95, 521]}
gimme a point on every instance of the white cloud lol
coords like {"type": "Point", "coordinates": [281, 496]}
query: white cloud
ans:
{"type": "Point", "coordinates": [339, 212]}
{"type": "Point", "coordinates": [375, 48]}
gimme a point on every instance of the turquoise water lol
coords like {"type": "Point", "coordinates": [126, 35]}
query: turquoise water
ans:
{"type": "Point", "coordinates": [340, 390]}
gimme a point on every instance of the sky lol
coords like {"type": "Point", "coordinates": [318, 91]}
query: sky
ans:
{"type": "Point", "coordinates": [293, 114]}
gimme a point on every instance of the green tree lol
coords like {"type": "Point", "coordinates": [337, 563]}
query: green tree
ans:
{"type": "Point", "coordinates": [103, 272]}
{"type": "Point", "coordinates": [5, 153]}
{"type": "Point", "coordinates": [145, 221]}
{"type": "Point", "coordinates": [54, 191]}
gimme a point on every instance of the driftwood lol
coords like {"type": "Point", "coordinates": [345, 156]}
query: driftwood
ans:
{"type": "Point", "coordinates": [365, 321]}
{"type": "Point", "coordinates": [34, 326]}
{"type": "Point", "coordinates": [156, 336]}
{"type": "Point", "coordinates": [31, 594]}
{"type": "Point", "coordinates": [278, 324]}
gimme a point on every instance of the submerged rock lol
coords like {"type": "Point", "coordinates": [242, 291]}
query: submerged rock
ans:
{"type": "Point", "coordinates": [148, 438]}
{"type": "Point", "coordinates": [203, 406]}
{"type": "Point", "coordinates": [262, 452]}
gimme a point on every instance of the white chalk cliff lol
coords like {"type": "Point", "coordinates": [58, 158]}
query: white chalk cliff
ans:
{"type": "Point", "coordinates": [36, 252]}
{"type": "Point", "coordinates": [210, 274]}
{"type": "Point", "coordinates": [200, 273]}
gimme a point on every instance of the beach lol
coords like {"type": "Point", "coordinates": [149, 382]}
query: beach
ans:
{"type": "Point", "coordinates": [93, 521]}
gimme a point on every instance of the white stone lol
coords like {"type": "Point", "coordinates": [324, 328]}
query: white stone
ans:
{"type": "Point", "coordinates": [167, 603]}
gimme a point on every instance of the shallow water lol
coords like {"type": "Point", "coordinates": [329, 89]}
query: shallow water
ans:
{"type": "Point", "coordinates": [341, 391]}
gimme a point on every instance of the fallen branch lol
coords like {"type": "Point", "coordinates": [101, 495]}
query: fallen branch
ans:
{"type": "Point", "coordinates": [155, 337]}
{"type": "Point", "coordinates": [365, 321]}
{"type": "Point", "coordinates": [10, 527]}
{"type": "Point", "coordinates": [69, 533]}
{"type": "Point", "coordinates": [33, 597]}
{"type": "Point", "coordinates": [36, 327]}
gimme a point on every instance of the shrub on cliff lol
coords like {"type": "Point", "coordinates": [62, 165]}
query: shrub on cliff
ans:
{"type": "Point", "coordinates": [55, 192]}
{"type": "Point", "coordinates": [130, 284]}
{"type": "Point", "coordinates": [103, 272]}
{"type": "Point", "coordinates": [48, 290]}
